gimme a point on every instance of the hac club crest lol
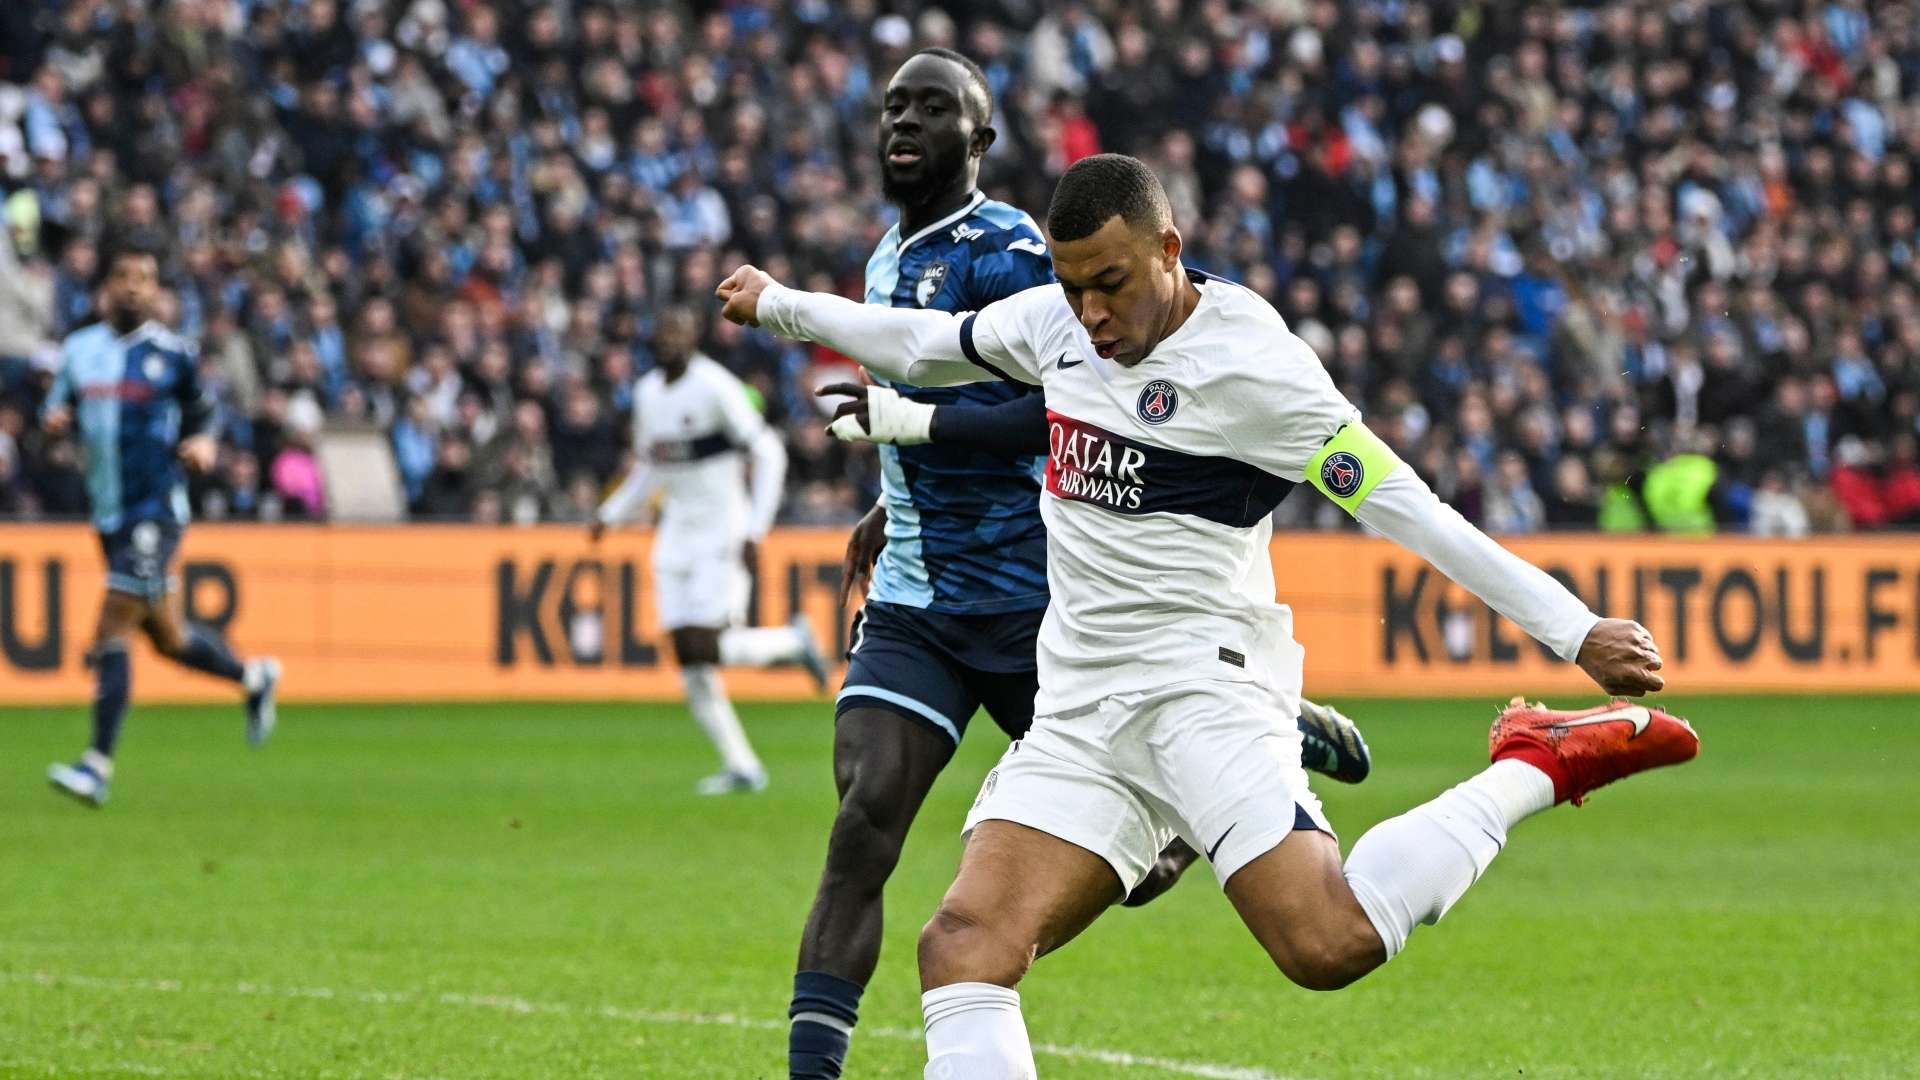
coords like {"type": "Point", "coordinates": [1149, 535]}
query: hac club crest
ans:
{"type": "Point", "coordinates": [154, 367]}
{"type": "Point", "coordinates": [934, 276]}
{"type": "Point", "coordinates": [1342, 473]}
{"type": "Point", "coordinates": [1158, 400]}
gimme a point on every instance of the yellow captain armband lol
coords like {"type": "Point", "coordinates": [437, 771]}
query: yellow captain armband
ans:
{"type": "Point", "coordinates": [1351, 465]}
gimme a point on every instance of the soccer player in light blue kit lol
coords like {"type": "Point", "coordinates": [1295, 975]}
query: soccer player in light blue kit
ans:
{"type": "Point", "coordinates": [132, 389]}
{"type": "Point", "coordinates": [960, 586]}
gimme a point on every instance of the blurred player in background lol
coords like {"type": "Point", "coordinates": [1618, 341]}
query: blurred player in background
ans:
{"type": "Point", "coordinates": [692, 422]}
{"type": "Point", "coordinates": [1181, 411]}
{"type": "Point", "coordinates": [132, 389]}
{"type": "Point", "coordinates": [960, 584]}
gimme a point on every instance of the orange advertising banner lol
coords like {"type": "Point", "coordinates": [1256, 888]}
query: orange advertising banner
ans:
{"type": "Point", "coordinates": [399, 613]}
{"type": "Point", "coordinates": [1730, 614]}
{"type": "Point", "coordinates": [469, 613]}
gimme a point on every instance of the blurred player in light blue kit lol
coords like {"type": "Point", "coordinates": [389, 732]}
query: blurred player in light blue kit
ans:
{"type": "Point", "coordinates": [132, 390]}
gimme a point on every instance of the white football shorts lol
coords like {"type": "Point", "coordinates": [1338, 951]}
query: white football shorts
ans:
{"type": "Point", "coordinates": [707, 592]}
{"type": "Point", "coordinates": [1214, 762]}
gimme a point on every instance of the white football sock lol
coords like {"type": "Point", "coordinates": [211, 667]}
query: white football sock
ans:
{"type": "Point", "coordinates": [1410, 869]}
{"type": "Point", "coordinates": [975, 1032]}
{"type": "Point", "coordinates": [761, 646]}
{"type": "Point", "coordinates": [707, 698]}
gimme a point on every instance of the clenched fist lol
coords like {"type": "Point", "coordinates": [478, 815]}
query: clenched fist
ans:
{"type": "Point", "coordinates": [741, 294]}
{"type": "Point", "coordinates": [1620, 655]}
{"type": "Point", "coordinates": [200, 452]}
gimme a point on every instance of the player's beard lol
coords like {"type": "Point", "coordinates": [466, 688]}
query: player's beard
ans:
{"type": "Point", "coordinates": [922, 183]}
{"type": "Point", "coordinates": [125, 317]}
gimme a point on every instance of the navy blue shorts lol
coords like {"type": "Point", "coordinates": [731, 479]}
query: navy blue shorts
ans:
{"type": "Point", "coordinates": [937, 669]}
{"type": "Point", "coordinates": [140, 557]}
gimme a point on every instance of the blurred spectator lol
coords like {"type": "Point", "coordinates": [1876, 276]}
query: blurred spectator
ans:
{"type": "Point", "coordinates": [26, 292]}
{"type": "Point", "coordinates": [1777, 511]}
{"type": "Point", "coordinates": [1512, 505]}
{"type": "Point", "coordinates": [447, 492]}
{"type": "Point", "coordinates": [296, 469]}
{"type": "Point", "coordinates": [1679, 491]}
{"type": "Point", "coordinates": [1572, 504]}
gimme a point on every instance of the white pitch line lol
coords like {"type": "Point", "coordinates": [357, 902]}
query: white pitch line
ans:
{"type": "Point", "coordinates": [513, 1004]}
{"type": "Point", "coordinates": [49, 1068]}
{"type": "Point", "coordinates": [39, 1066]}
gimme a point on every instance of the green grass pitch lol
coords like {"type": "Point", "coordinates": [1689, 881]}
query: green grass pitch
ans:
{"type": "Point", "coordinates": [534, 891]}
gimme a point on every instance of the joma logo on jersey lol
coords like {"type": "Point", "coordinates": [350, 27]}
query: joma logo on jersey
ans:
{"type": "Point", "coordinates": [964, 233]}
{"type": "Point", "coordinates": [934, 276]}
{"type": "Point", "coordinates": [1158, 400]}
{"type": "Point", "coordinates": [1084, 466]}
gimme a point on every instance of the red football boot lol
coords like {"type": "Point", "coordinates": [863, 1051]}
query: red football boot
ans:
{"type": "Point", "coordinates": [1591, 748]}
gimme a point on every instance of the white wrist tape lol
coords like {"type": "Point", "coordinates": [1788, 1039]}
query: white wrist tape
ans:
{"type": "Point", "coordinates": [891, 418]}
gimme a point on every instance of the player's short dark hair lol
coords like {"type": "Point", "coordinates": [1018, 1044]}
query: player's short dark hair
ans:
{"type": "Point", "coordinates": [981, 102]}
{"type": "Point", "coordinates": [1097, 188]}
{"type": "Point", "coordinates": [131, 248]}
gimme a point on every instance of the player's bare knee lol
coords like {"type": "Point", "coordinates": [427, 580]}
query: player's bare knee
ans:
{"type": "Point", "coordinates": [1330, 959]}
{"type": "Point", "coordinates": [866, 841]}
{"type": "Point", "coordinates": [955, 946]}
{"type": "Point", "coordinates": [1322, 971]}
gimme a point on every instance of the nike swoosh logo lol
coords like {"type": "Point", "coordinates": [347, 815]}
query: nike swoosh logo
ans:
{"type": "Point", "coordinates": [1066, 363]}
{"type": "Point", "coordinates": [1636, 715]}
{"type": "Point", "coordinates": [1222, 840]}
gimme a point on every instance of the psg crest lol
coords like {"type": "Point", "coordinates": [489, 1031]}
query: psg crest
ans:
{"type": "Point", "coordinates": [931, 279]}
{"type": "Point", "coordinates": [1158, 399]}
{"type": "Point", "coordinates": [1341, 472]}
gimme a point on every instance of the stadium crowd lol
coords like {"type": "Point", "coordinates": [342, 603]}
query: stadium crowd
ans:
{"type": "Point", "coordinates": [1629, 265]}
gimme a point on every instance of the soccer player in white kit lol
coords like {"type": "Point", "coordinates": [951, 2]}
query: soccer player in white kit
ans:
{"type": "Point", "coordinates": [692, 422]}
{"type": "Point", "coordinates": [1181, 411]}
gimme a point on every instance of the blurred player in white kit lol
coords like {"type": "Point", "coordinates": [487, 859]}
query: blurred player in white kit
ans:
{"type": "Point", "coordinates": [694, 429]}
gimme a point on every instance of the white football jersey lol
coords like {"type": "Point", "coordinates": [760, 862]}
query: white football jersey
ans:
{"type": "Point", "coordinates": [1160, 481]}
{"type": "Point", "coordinates": [694, 432]}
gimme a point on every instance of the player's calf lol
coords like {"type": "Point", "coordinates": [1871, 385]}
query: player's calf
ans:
{"type": "Point", "coordinates": [883, 766]}
{"type": "Point", "coordinates": [202, 649]}
{"type": "Point", "coordinates": [88, 778]}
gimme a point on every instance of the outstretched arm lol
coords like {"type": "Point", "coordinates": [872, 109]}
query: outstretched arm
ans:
{"type": "Point", "coordinates": [923, 347]}
{"type": "Point", "coordinates": [1292, 421]}
{"type": "Point", "coordinates": [880, 414]}
{"type": "Point", "coordinates": [1364, 476]}
{"type": "Point", "coordinates": [1012, 427]}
